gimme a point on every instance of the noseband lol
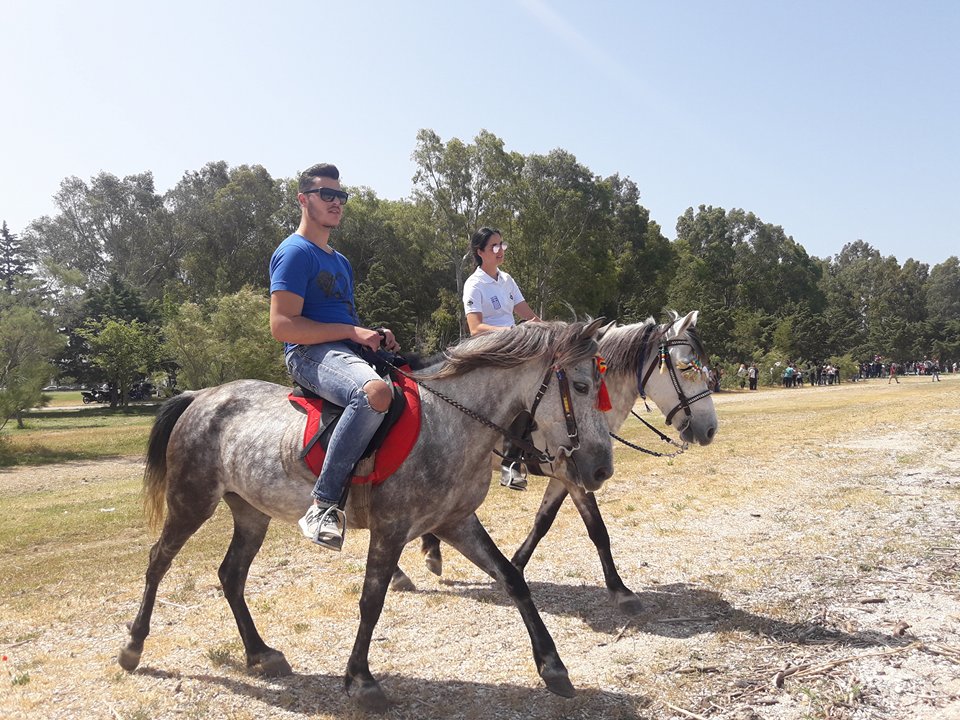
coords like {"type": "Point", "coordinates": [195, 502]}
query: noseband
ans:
{"type": "Point", "coordinates": [665, 360]}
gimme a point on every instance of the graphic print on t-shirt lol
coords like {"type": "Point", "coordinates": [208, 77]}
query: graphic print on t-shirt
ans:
{"type": "Point", "coordinates": [495, 301]}
{"type": "Point", "coordinates": [336, 287]}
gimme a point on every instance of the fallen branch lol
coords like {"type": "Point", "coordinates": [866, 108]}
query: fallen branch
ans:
{"type": "Point", "coordinates": [808, 669]}
{"type": "Point", "coordinates": [684, 712]}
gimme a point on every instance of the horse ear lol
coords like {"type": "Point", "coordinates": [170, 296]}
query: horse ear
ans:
{"type": "Point", "coordinates": [689, 320]}
{"type": "Point", "coordinates": [593, 327]}
{"type": "Point", "coordinates": [605, 329]}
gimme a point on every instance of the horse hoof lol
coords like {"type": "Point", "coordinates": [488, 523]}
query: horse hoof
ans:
{"type": "Point", "coordinates": [371, 698]}
{"type": "Point", "coordinates": [401, 583]}
{"type": "Point", "coordinates": [129, 659]}
{"type": "Point", "coordinates": [434, 564]}
{"type": "Point", "coordinates": [558, 682]}
{"type": "Point", "coordinates": [631, 604]}
{"type": "Point", "coordinates": [273, 664]}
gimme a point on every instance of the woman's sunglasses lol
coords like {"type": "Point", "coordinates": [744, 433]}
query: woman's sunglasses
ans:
{"type": "Point", "coordinates": [329, 194]}
{"type": "Point", "coordinates": [498, 247]}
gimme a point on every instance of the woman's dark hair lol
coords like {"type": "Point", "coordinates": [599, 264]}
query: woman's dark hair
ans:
{"type": "Point", "coordinates": [479, 241]}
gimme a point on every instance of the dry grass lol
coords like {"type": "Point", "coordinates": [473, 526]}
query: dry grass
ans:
{"type": "Point", "coordinates": [758, 553]}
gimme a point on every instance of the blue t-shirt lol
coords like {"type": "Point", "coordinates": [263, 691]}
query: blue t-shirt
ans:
{"type": "Point", "coordinates": [324, 281]}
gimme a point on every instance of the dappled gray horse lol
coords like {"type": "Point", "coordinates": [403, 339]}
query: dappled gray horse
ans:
{"type": "Point", "coordinates": [666, 363]}
{"type": "Point", "coordinates": [241, 442]}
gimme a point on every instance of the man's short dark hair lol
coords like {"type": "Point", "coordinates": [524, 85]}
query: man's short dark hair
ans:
{"type": "Point", "coordinates": [309, 176]}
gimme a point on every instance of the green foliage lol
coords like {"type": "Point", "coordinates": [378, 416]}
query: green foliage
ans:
{"type": "Point", "coordinates": [579, 244]}
{"type": "Point", "coordinates": [444, 326]}
{"type": "Point", "coordinates": [14, 263]}
{"type": "Point", "coordinates": [226, 340]}
{"type": "Point", "coordinates": [123, 350]}
{"type": "Point", "coordinates": [846, 364]}
{"type": "Point", "coordinates": [27, 342]}
{"type": "Point", "coordinates": [380, 304]}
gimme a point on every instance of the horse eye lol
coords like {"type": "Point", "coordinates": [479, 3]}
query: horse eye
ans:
{"type": "Point", "coordinates": [581, 387]}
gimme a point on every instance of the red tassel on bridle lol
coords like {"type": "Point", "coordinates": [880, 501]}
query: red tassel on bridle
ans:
{"type": "Point", "coordinates": [603, 397]}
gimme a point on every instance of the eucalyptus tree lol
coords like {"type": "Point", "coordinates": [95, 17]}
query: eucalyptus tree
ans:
{"type": "Point", "coordinates": [644, 260]}
{"type": "Point", "coordinates": [108, 226]}
{"type": "Point", "coordinates": [231, 220]}
{"type": "Point", "coordinates": [465, 186]}
{"type": "Point", "coordinates": [397, 264]}
{"type": "Point", "coordinates": [747, 277]}
{"type": "Point", "coordinates": [563, 254]}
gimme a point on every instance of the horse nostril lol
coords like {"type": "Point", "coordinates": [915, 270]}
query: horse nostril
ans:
{"type": "Point", "coordinates": [711, 432]}
{"type": "Point", "coordinates": [604, 472]}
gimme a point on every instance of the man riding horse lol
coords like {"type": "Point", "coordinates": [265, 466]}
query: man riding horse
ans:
{"type": "Point", "coordinates": [312, 312]}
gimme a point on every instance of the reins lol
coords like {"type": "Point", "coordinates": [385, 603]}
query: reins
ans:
{"type": "Point", "coordinates": [524, 443]}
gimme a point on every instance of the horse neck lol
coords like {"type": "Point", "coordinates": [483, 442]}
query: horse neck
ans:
{"type": "Point", "coordinates": [495, 394]}
{"type": "Point", "coordinates": [622, 380]}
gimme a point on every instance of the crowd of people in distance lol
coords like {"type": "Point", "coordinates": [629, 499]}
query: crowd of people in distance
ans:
{"type": "Point", "coordinates": [881, 367]}
{"type": "Point", "coordinates": [794, 374]}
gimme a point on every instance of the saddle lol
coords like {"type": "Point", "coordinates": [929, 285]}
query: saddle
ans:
{"type": "Point", "coordinates": [389, 446]}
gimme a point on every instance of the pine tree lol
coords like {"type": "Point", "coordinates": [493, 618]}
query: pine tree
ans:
{"type": "Point", "coordinates": [13, 261]}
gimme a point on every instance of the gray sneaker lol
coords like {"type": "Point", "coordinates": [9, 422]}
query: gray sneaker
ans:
{"type": "Point", "coordinates": [324, 526]}
{"type": "Point", "coordinates": [512, 478]}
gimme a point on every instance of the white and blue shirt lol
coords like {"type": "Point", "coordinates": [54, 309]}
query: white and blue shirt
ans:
{"type": "Point", "coordinates": [494, 298]}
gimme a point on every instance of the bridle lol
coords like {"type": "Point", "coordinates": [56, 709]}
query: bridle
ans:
{"type": "Point", "coordinates": [683, 402]}
{"type": "Point", "coordinates": [666, 361]}
{"type": "Point", "coordinates": [566, 403]}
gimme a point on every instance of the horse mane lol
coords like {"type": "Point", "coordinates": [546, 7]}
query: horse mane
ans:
{"type": "Point", "coordinates": [559, 342]}
{"type": "Point", "coordinates": [625, 346]}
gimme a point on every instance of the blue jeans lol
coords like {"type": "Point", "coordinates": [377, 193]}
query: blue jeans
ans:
{"type": "Point", "coordinates": [337, 374]}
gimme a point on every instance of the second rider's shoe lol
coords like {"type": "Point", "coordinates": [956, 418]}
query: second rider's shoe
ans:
{"type": "Point", "coordinates": [512, 478]}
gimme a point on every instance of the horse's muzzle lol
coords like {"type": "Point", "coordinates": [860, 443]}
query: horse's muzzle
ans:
{"type": "Point", "coordinates": [704, 435]}
{"type": "Point", "coordinates": [593, 482]}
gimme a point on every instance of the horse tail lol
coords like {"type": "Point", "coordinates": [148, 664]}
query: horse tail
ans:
{"type": "Point", "coordinates": [155, 473]}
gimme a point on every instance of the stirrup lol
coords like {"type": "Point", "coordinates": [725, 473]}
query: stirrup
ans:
{"type": "Point", "coordinates": [514, 483]}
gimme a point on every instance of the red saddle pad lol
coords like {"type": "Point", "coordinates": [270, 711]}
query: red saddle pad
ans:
{"type": "Point", "coordinates": [395, 448]}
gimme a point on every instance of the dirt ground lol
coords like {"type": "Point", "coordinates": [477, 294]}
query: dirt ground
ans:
{"type": "Point", "coordinates": [821, 582]}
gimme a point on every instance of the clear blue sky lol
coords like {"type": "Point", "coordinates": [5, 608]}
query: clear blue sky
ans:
{"type": "Point", "coordinates": [837, 120]}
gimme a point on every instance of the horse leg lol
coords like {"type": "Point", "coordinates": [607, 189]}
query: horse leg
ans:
{"type": "Point", "coordinates": [471, 539]}
{"type": "Point", "coordinates": [623, 597]}
{"type": "Point", "coordinates": [382, 557]}
{"type": "Point", "coordinates": [183, 520]}
{"type": "Point", "coordinates": [553, 498]}
{"type": "Point", "coordinates": [249, 528]}
{"type": "Point", "coordinates": [430, 548]}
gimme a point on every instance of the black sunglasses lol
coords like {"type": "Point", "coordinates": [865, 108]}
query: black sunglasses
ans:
{"type": "Point", "coordinates": [329, 194]}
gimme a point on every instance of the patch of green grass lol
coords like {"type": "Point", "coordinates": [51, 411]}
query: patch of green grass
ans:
{"type": "Point", "coordinates": [63, 398]}
{"type": "Point", "coordinates": [85, 434]}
